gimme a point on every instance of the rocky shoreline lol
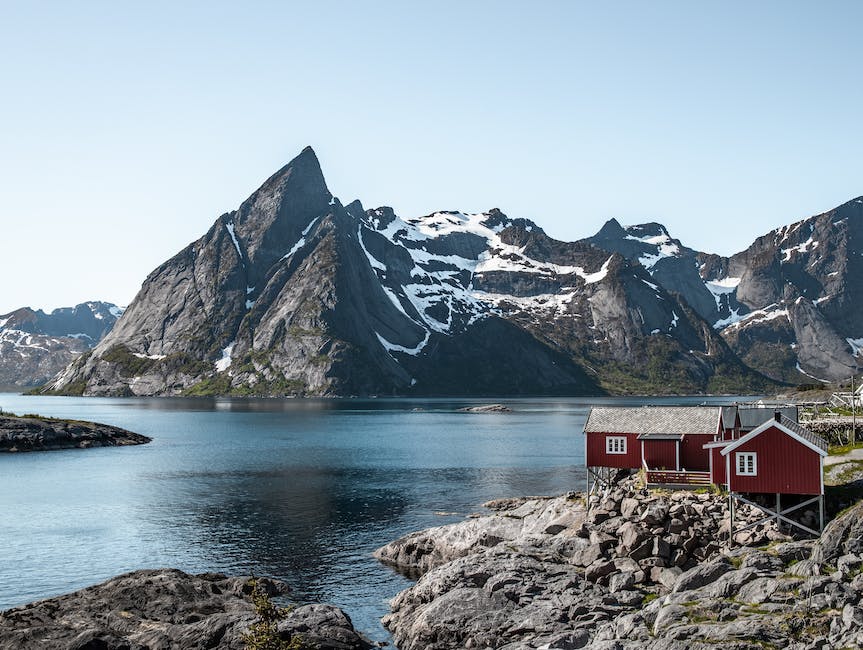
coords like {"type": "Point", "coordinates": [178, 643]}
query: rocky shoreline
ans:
{"type": "Point", "coordinates": [166, 608]}
{"type": "Point", "coordinates": [639, 570]}
{"type": "Point", "coordinates": [34, 433]}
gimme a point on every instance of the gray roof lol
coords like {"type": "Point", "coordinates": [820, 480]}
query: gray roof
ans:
{"type": "Point", "coordinates": [660, 436]}
{"type": "Point", "coordinates": [752, 418]}
{"type": "Point", "coordinates": [729, 415]}
{"type": "Point", "coordinates": [653, 419]}
{"type": "Point", "coordinates": [804, 433]}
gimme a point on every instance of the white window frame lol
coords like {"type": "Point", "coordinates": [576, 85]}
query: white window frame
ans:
{"type": "Point", "coordinates": [615, 445]}
{"type": "Point", "coordinates": [746, 463]}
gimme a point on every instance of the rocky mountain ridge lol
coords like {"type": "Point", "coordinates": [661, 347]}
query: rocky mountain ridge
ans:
{"type": "Point", "coordinates": [788, 305]}
{"type": "Point", "coordinates": [295, 293]}
{"type": "Point", "coordinates": [35, 346]}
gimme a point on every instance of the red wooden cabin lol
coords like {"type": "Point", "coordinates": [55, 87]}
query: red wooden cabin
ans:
{"type": "Point", "coordinates": [667, 441]}
{"type": "Point", "coordinates": [779, 458]}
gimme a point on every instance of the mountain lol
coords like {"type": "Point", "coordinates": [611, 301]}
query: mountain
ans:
{"type": "Point", "coordinates": [296, 293]}
{"type": "Point", "coordinates": [788, 305]}
{"type": "Point", "coordinates": [35, 346]}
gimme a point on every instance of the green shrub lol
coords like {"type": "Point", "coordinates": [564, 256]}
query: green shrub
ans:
{"type": "Point", "coordinates": [263, 634]}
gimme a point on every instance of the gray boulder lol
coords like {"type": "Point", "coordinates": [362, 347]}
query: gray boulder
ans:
{"type": "Point", "coordinates": [162, 608]}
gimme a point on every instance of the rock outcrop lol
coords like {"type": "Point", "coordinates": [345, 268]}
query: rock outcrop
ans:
{"type": "Point", "coordinates": [166, 608]}
{"type": "Point", "coordinates": [35, 346]}
{"type": "Point", "coordinates": [33, 433]}
{"type": "Point", "coordinates": [640, 570]}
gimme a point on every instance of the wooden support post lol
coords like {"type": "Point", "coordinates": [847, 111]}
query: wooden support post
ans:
{"type": "Point", "coordinates": [821, 514]}
{"type": "Point", "coordinates": [731, 515]}
{"type": "Point", "coordinates": [778, 515]}
{"type": "Point", "coordinates": [778, 509]}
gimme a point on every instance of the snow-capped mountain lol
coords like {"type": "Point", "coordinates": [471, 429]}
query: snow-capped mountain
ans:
{"type": "Point", "coordinates": [35, 346]}
{"type": "Point", "coordinates": [295, 293]}
{"type": "Point", "coordinates": [787, 305]}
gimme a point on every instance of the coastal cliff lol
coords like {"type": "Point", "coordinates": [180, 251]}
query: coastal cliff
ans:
{"type": "Point", "coordinates": [639, 570]}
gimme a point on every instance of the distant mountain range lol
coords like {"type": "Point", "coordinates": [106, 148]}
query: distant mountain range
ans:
{"type": "Point", "coordinates": [35, 346]}
{"type": "Point", "coordinates": [295, 293]}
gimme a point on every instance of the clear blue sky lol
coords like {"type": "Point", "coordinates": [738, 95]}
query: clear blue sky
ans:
{"type": "Point", "coordinates": [127, 128]}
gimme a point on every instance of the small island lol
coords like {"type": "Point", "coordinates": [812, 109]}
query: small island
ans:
{"type": "Point", "coordinates": [37, 433]}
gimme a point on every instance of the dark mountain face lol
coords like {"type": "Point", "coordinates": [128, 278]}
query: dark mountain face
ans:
{"type": "Point", "coordinates": [35, 346]}
{"type": "Point", "coordinates": [295, 293]}
{"type": "Point", "coordinates": [787, 305]}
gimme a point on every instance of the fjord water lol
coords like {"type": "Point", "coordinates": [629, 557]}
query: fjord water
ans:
{"type": "Point", "coordinates": [302, 490]}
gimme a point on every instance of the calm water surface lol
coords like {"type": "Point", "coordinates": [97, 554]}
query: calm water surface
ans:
{"type": "Point", "coordinates": [302, 490]}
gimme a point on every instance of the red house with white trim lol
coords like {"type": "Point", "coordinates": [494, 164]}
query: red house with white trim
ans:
{"type": "Point", "coordinates": [666, 441]}
{"type": "Point", "coordinates": [689, 446]}
{"type": "Point", "coordinates": [780, 457]}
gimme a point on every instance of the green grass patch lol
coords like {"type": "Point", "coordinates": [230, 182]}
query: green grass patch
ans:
{"type": "Point", "coordinates": [839, 450]}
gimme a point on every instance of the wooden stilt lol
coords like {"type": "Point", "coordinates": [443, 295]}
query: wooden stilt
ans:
{"type": "Point", "coordinates": [778, 514]}
{"type": "Point", "coordinates": [821, 513]}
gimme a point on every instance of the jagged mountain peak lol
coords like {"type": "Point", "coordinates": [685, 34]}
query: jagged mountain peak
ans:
{"type": "Point", "coordinates": [611, 230]}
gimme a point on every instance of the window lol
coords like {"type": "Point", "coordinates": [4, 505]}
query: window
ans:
{"type": "Point", "coordinates": [747, 464]}
{"type": "Point", "coordinates": [615, 444]}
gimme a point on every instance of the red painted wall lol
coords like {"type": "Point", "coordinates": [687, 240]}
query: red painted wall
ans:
{"type": "Point", "coordinates": [596, 456]}
{"type": "Point", "coordinates": [785, 466]}
{"type": "Point", "coordinates": [718, 476]}
{"type": "Point", "coordinates": [660, 454]}
{"type": "Point", "coordinates": [693, 455]}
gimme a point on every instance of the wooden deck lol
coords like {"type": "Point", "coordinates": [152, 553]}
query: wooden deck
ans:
{"type": "Point", "coordinates": [656, 478]}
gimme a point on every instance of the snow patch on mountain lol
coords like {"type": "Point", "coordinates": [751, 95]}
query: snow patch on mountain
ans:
{"type": "Point", "coordinates": [301, 242]}
{"type": "Point", "coordinates": [392, 347]}
{"type": "Point", "coordinates": [230, 228]}
{"type": "Point", "coordinates": [800, 248]}
{"type": "Point", "coordinates": [856, 346]}
{"type": "Point", "coordinates": [225, 362]}
{"type": "Point", "coordinates": [771, 312]}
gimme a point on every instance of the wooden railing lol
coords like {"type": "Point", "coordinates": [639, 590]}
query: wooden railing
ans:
{"type": "Point", "coordinates": [671, 477]}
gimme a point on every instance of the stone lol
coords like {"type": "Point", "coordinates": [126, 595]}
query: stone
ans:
{"type": "Point", "coordinates": [621, 581]}
{"type": "Point", "coordinates": [644, 550]}
{"type": "Point", "coordinates": [587, 556]}
{"type": "Point", "coordinates": [628, 507]}
{"type": "Point", "coordinates": [701, 575]}
{"type": "Point", "coordinates": [852, 617]}
{"type": "Point", "coordinates": [792, 551]}
{"type": "Point", "coordinates": [164, 608]}
{"type": "Point", "coordinates": [805, 569]}
{"type": "Point", "coordinates": [665, 576]}
{"type": "Point", "coordinates": [676, 526]}
{"type": "Point", "coordinates": [655, 513]}
{"type": "Point", "coordinates": [668, 616]}
{"type": "Point", "coordinates": [631, 536]}
{"type": "Point", "coordinates": [758, 590]}
{"type": "Point", "coordinates": [599, 538]}
{"type": "Point", "coordinates": [661, 548]}
{"type": "Point", "coordinates": [762, 561]}
{"type": "Point", "coordinates": [321, 626]}
{"type": "Point", "coordinates": [599, 569]}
